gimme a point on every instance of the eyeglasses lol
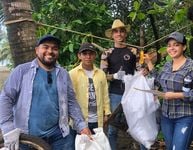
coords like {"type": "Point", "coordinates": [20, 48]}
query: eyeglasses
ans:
{"type": "Point", "coordinates": [49, 77]}
{"type": "Point", "coordinates": [121, 30]}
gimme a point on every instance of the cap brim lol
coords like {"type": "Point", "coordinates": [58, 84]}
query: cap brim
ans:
{"type": "Point", "coordinates": [86, 49]}
{"type": "Point", "coordinates": [108, 32]}
{"type": "Point", "coordinates": [169, 38]}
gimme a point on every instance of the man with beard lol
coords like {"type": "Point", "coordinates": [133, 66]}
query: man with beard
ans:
{"type": "Point", "coordinates": [38, 99]}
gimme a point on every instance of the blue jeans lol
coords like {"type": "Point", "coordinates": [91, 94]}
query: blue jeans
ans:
{"type": "Point", "coordinates": [56, 141]}
{"type": "Point", "coordinates": [177, 132]}
{"type": "Point", "coordinates": [115, 100]}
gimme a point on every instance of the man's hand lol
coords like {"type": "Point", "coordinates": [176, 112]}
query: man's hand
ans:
{"type": "Point", "coordinates": [86, 131]}
{"type": "Point", "coordinates": [109, 77]}
{"type": "Point", "coordinates": [105, 121]}
{"type": "Point", "coordinates": [106, 117]}
{"type": "Point", "coordinates": [119, 75]}
{"type": "Point", "coordinates": [11, 139]}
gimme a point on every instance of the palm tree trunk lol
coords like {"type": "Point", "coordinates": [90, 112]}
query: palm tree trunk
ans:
{"type": "Point", "coordinates": [20, 28]}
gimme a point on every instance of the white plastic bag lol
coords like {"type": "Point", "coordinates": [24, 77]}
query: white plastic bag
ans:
{"type": "Point", "coordinates": [4, 148]}
{"type": "Point", "coordinates": [99, 142]}
{"type": "Point", "coordinates": [139, 108]}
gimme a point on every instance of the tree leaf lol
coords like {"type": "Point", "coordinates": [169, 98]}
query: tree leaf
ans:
{"type": "Point", "coordinates": [132, 15]}
{"type": "Point", "coordinates": [71, 47]}
{"type": "Point", "coordinates": [180, 15]}
{"type": "Point", "coordinates": [162, 50]}
{"type": "Point", "coordinates": [54, 31]}
{"type": "Point", "coordinates": [141, 16]}
{"type": "Point", "coordinates": [136, 5]}
{"type": "Point", "coordinates": [77, 21]}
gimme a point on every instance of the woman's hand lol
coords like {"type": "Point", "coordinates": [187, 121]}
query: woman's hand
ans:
{"type": "Point", "coordinates": [147, 60]}
{"type": "Point", "coordinates": [144, 71]}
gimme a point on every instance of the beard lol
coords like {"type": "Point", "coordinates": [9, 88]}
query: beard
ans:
{"type": "Point", "coordinates": [49, 64]}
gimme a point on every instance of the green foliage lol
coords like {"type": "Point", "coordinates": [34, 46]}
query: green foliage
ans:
{"type": "Point", "coordinates": [180, 15]}
{"type": "Point", "coordinates": [165, 16]}
{"type": "Point", "coordinates": [136, 13]}
{"type": "Point", "coordinates": [156, 9]}
{"type": "Point", "coordinates": [160, 136]}
{"type": "Point", "coordinates": [94, 17]}
{"type": "Point", "coordinates": [88, 17]}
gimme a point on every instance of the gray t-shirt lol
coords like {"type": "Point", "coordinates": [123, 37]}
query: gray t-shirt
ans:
{"type": "Point", "coordinates": [92, 105]}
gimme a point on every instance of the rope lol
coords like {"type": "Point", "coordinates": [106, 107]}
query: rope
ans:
{"type": "Point", "coordinates": [16, 21]}
{"type": "Point", "coordinates": [139, 47]}
{"type": "Point", "coordinates": [80, 33]}
{"type": "Point", "coordinates": [90, 35]}
{"type": "Point", "coordinates": [165, 36]}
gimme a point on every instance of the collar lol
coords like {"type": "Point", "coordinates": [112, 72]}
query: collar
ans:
{"type": "Point", "coordinates": [79, 67]}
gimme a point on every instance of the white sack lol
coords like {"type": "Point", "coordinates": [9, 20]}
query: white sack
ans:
{"type": "Point", "coordinates": [99, 142]}
{"type": "Point", "coordinates": [139, 108]}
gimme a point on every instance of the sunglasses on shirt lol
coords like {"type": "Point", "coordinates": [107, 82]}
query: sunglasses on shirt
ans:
{"type": "Point", "coordinates": [49, 78]}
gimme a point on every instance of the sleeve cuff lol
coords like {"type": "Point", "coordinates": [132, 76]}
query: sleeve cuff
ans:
{"type": "Point", "coordinates": [187, 96]}
{"type": "Point", "coordinates": [81, 126]}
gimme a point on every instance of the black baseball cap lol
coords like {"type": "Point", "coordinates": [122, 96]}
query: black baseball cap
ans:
{"type": "Point", "coordinates": [87, 46]}
{"type": "Point", "coordinates": [179, 37]}
{"type": "Point", "coordinates": [48, 38]}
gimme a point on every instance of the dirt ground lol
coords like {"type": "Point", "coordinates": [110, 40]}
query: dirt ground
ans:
{"type": "Point", "coordinates": [125, 142]}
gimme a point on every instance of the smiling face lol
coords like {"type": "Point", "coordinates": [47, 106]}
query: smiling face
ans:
{"type": "Point", "coordinates": [47, 54]}
{"type": "Point", "coordinates": [87, 58]}
{"type": "Point", "coordinates": [175, 49]}
{"type": "Point", "coordinates": [119, 35]}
